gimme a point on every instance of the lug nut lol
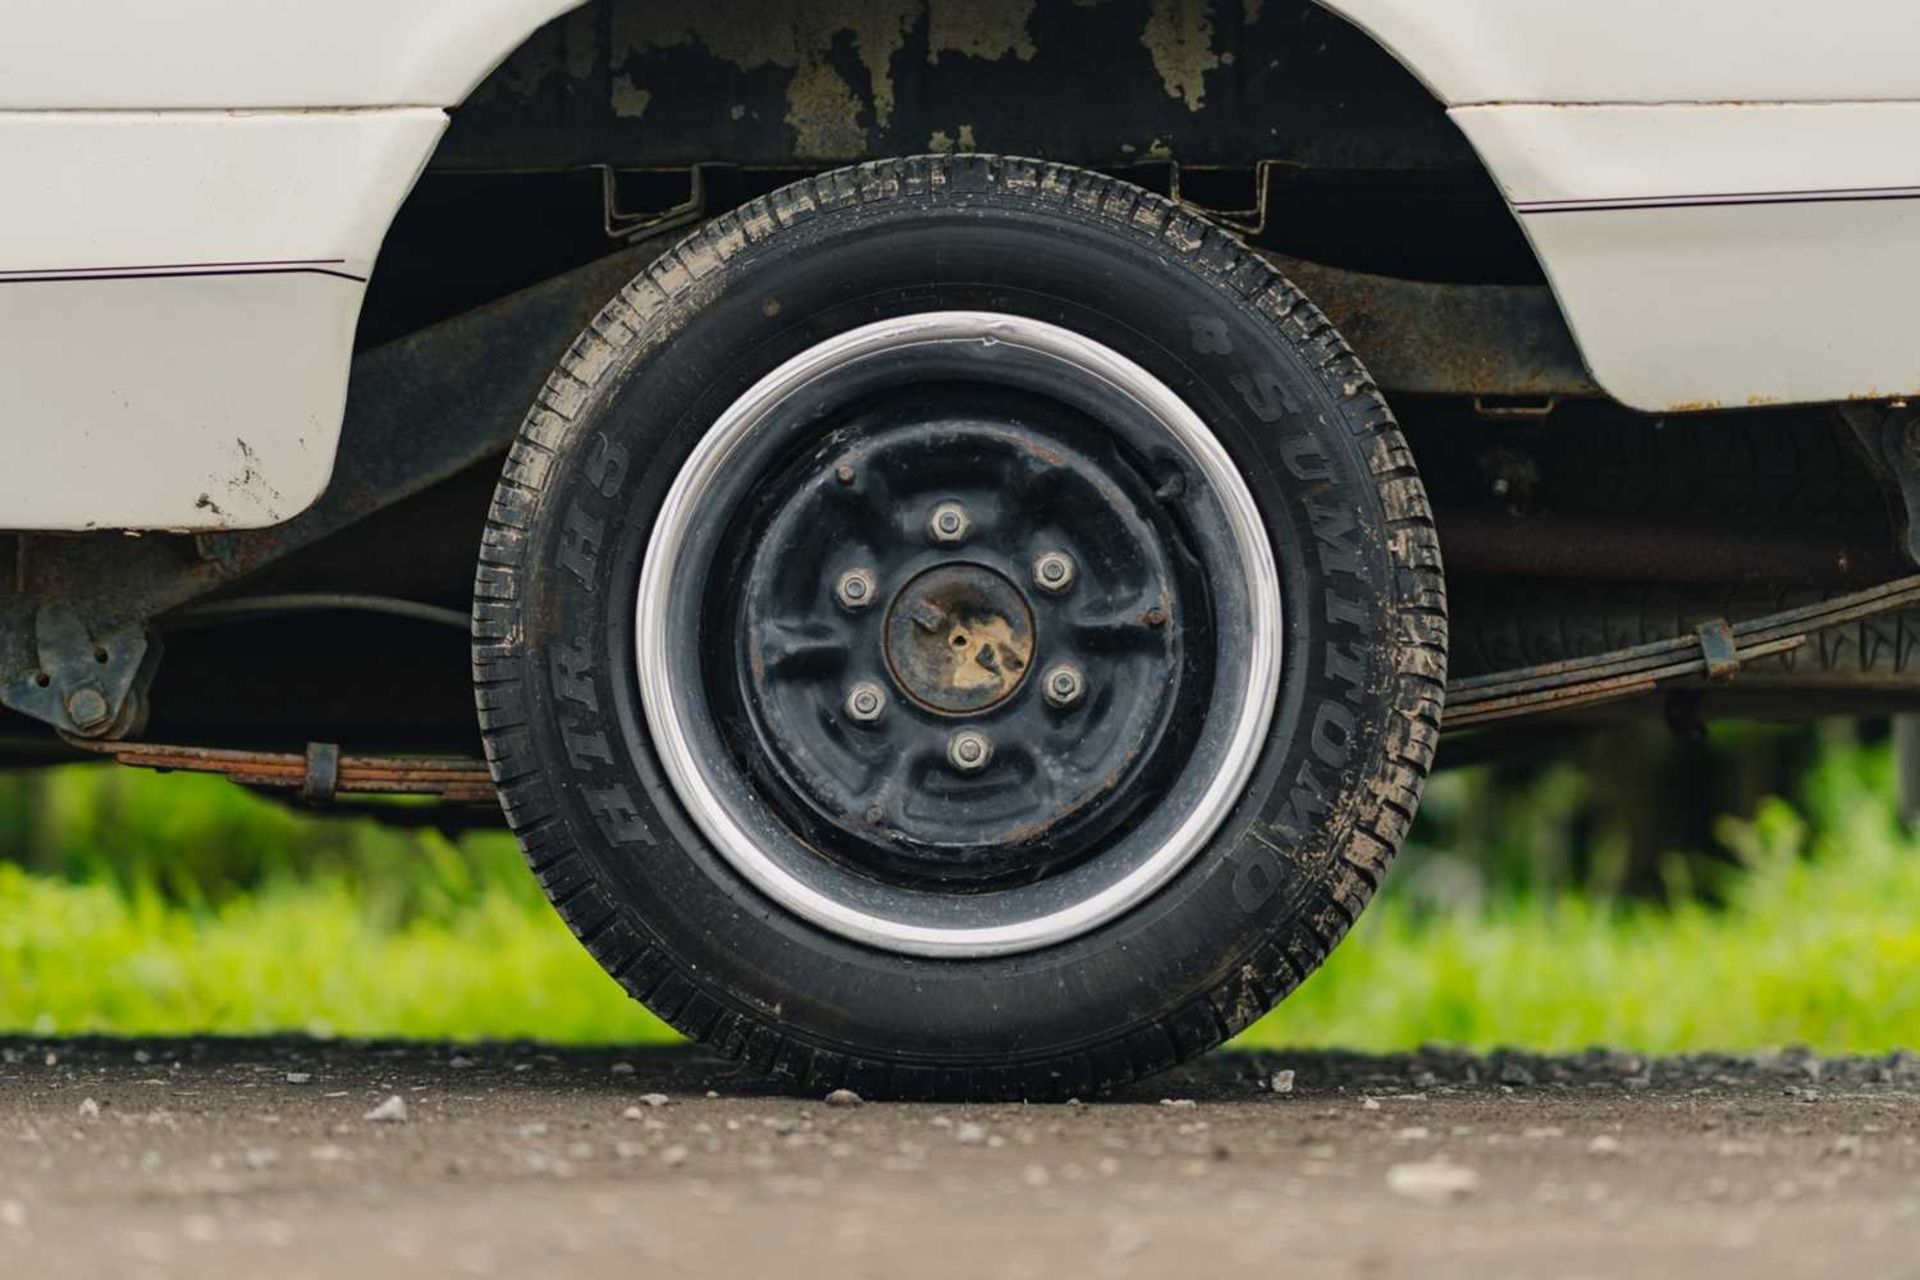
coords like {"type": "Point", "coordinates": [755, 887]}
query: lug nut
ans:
{"type": "Point", "coordinates": [1063, 685]}
{"type": "Point", "coordinates": [857, 590]}
{"type": "Point", "coordinates": [969, 750]}
{"type": "Point", "coordinates": [949, 524]}
{"type": "Point", "coordinates": [866, 703]}
{"type": "Point", "coordinates": [1053, 572]}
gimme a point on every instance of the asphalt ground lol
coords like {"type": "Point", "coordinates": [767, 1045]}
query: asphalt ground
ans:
{"type": "Point", "coordinates": [289, 1158]}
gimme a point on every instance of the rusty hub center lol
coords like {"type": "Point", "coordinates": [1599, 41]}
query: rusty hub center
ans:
{"type": "Point", "coordinates": [959, 638]}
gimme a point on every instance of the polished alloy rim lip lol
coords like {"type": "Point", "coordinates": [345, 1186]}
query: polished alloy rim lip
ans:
{"type": "Point", "coordinates": [665, 704]}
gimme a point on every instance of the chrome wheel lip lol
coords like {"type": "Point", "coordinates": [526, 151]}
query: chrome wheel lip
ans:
{"type": "Point", "coordinates": [665, 702]}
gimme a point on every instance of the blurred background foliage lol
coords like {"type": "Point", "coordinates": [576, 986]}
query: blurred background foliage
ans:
{"type": "Point", "coordinates": [1750, 889]}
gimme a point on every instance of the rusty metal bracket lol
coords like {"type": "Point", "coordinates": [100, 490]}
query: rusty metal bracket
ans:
{"type": "Point", "coordinates": [1716, 650]}
{"type": "Point", "coordinates": [322, 782]}
{"type": "Point", "coordinates": [1249, 222]}
{"type": "Point", "coordinates": [629, 227]}
{"type": "Point", "coordinates": [1496, 409]}
{"type": "Point", "coordinates": [89, 683]}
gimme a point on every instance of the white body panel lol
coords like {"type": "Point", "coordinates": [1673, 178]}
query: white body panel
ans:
{"type": "Point", "coordinates": [1650, 113]}
{"type": "Point", "coordinates": [1480, 51]}
{"type": "Point", "coordinates": [115, 189]}
{"type": "Point", "coordinates": [1715, 255]}
{"type": "Point", "coordinates": [177, 305]}
{"type": "Point", "coordinates": [141, 425]}
{"type": "Point", "coordinates": [175, 54]}
{"type": "Point", "coordinates": [136, 356]}
{"type": "Point", "coordinates": [192, 206]}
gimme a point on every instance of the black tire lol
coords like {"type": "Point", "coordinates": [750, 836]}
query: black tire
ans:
{"type": "Point", "coordinates": [1362, 674]}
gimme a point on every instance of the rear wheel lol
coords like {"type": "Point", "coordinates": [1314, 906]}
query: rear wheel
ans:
{"type": "Point", "coordinates": [959, 626]}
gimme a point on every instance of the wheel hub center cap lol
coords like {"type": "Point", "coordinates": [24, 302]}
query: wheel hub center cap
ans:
{"type": "Point", "coordinates": [959, 638]}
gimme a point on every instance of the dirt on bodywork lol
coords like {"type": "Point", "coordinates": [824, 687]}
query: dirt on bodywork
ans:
{"type": "Point", "coordinates": [295, 1158]}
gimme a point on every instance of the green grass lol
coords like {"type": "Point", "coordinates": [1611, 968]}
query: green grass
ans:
{"type": "Point", "coordinates": [160, 906]}
{"type": "Point", "coordinates": [305, 957]}
{"type": "Point", "coordinates": [1817, 950]}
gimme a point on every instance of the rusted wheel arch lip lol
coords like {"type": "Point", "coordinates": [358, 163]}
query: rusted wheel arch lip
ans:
{"type": "Point", "coordinates": [665, 703]}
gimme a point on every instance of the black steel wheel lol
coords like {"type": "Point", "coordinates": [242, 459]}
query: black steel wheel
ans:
{"type": "Point", "coordinates": [848, 590]}
{"type": "Point", "coordinates": [997, 698]}
{"type": "Point", "coordinates": [959, 626]}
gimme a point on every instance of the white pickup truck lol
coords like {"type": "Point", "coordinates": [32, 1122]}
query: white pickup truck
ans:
{"type": "Point", "coordinates": [947, 623]}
